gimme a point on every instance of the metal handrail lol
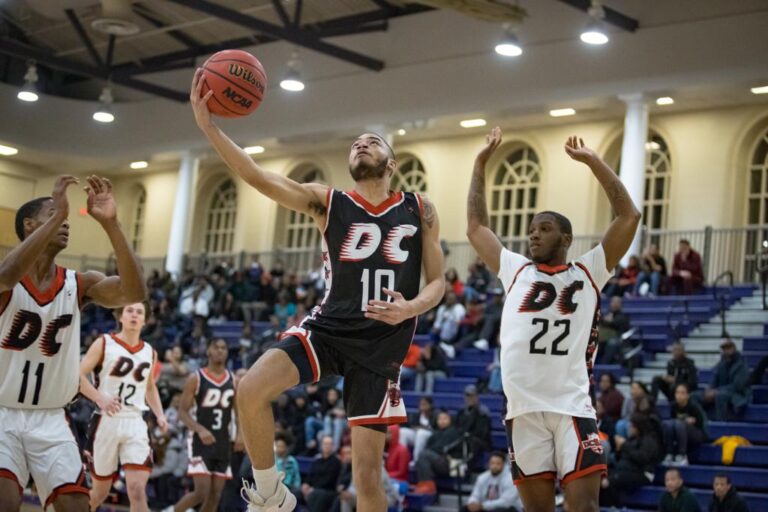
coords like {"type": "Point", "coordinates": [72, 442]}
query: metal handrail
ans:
{"type": "Point", "coordinates": [763, 272]}
{"type": "Point", "coordinates": [675, 328]}
{"type": "Point", "coordinates": [727, 294]}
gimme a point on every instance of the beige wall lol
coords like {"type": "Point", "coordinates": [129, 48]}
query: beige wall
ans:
{"type": "Point", "coordinates": [709, 151]}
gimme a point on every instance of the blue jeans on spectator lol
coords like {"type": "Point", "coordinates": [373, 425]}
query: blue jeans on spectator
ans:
{"type": "Point", "coordinates": [334, 427]}
{"type": "Point", "coordinates": [312, 427]}
{"type": "Point", "coordinates": [680, 437]}
{"type": "Point", "coordinates": [622, 428]}
{"type": "Point", "coordinates": [652, 278]}
{"type": "Point", "coordinates": [425, 382]}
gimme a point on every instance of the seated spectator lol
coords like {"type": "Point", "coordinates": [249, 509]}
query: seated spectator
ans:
{"type": "Point", "coordinates": [653, 270]}
{"type": "Point", "coordinates": [624, 282]}
{"type": "Point", "coordinates": [452, 280]}
{"type": "Point", "coordinates": [725, 497]}
{"type": "Point", "coordinates": [431, 366]}
{"type": "Point", "coordinates": [639, 402]}
{"type": "Point", "coordinates": [287, 464]}
{"type": "Point", "coordinates": [729, 390]}
{"type": "Point", "coordinates": [174, 372]}
{"type": "Point", "coordinates": [677, 498]}
{"type": "Point", "coordinates": [489, 323]}
{"type": "Point", "coordinates": [433, 460]}
{"type": "Point", "coordinates": [411, 361]}
{"type": "Point", "coordinates": [611, 398]}
{"type": "Point", "coordinates": [284, 309]}
{"type": "Point", "coordinates": [478, 280]}
{"type": "Point", "coordinates": [448, 317]}
{"type": "Point", "coordinates": [636, 459]}
{"type": "Point", "coordinates": [687, 274]}
{"type": "Point", "coordinates": [474, 421]}
{"type": "Point", "coordinates": [320, 488]}
{"type": "Point", "coordinates": [685, 430]}
{"type": "Point", "coordinates": [335, 418]}
{"type": "Point", "coordinates": [346, 498]}
{"type": "Point", "coordinates": [397, 458]}
{"type": "Point", "coordinates": [759, 372]}
{"type": "Point", "coordinates": [612, 325]}
{"type": "Point", "coordinates": [680, 370]}
{"type": "Point", "coordinates": [494, 489]}
{"type": "Point", "coordinates": [420, 426]}
{"type": "Point", "coordinates": [246, 297]}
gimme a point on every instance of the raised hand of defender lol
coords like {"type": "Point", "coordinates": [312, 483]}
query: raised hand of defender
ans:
{"type": "Point", "coordinates": [101, 201]}
{"type": "Point", "coordinates": [576, 149]}
{"type": "Point", "coordinates": [391, 313]}
{"type": "Point", "coordinates": [200, 104]}
{"type": "Point", "coordinates": [59, 194]}
{"type": "Point", "coordinates": [109, 404]}
{"type": "Point", "coordinates": [492, 141]}
{"type": "Point", "coordinates": [205, 436]}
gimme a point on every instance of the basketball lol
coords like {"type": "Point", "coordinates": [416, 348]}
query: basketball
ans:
{"type": "Point", "coordinates": [238, 81]}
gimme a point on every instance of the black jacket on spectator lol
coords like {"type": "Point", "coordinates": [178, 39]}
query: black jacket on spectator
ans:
{"type": "Point", "coordinates": [475, 421]}
{"type": "Point", "coordinates": [731, 503]}
{"type": "Point", "coordinates": [639, 454]}
{"type": "Point", "coordinates": [324, 473]}
{"type": "Point", "coordinates": [684, 372]}
{"type": "Point", "coordinates": [619, 322]}
{"type": "Point", "coordinates": [447, 439]}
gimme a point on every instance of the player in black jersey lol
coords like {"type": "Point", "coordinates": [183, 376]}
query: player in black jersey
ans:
{"type": "Point", "coordinates": [375, 243]}
{"type": "Point", "coordinates": [211, 391]}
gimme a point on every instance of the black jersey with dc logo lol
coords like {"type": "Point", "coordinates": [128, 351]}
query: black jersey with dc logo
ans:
{"type": "Point", "coordinates": [367, 248]}
{"type": "Point", "coordinates": [214, 400]}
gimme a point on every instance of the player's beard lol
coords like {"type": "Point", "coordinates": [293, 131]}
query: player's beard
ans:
{"type": "Point", "coordinates": [361, 171]}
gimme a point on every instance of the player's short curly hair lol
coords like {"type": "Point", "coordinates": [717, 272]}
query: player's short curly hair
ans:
{"type": "Point", "coordinates": [28, 210]}
{"type": "Point", "coordinates": [562, 221]}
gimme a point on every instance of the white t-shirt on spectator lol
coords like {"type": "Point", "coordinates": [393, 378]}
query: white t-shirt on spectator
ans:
{"type": "Point", "coordinates": [447, 320]}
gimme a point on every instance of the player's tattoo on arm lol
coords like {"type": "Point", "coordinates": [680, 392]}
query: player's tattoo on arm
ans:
{"type": "Point", "coordinates": [477, 209]}
{"type": "Point", "coordinates": [619, 198]}
{"type": "Point", "coordinates": [429, 213]}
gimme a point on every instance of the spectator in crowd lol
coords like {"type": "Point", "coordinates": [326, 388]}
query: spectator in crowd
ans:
{"type": "Point", "coordinates": [729, 390]}
{"type": "Point", "coordinates": [346, 498]}
{"type": "Point", "coordinates": [449, 316]}
{"type": "Point", "coordinates": [680, 370]}
{"type": "Point", "coordinates": [175, 371]}
{"type": "Point", "coordinates": [611, 398]}
{"type": "Point", "coordinates": [489, 323]}
{"type": "Point", "coordinates": [636, 459]}
{"type": "Point", "coordinates": [284, 309]}
{"type": "Point", "coordinates": [410, 363]}
{"type": "Point", "coordinates": [278, 269]}
{"type": "Point", "coordinates": [474, 421]}
{"type": "Point", "coordinates": [639, 402]}
{"type": "Point", "coordinates": [195, 305]}
{"type": "Point", "coordinates": [296, 414]}
{"type": "Point", "coordinates": [677, 498]}
{"type": "Point", "coordinates": [287, 464]}
{"type": "Point", "coordinates": [612, 325]}
{"type": "Point", "coordinates": [420, 426]}
{"type": "Point", "coordinates": [685, 430]}
{"type": "Point", "coordinates": [452, 280]}
{"type": "Point", "coordinates": [397, 456]}
{"type": "Point", "coordinates": [431, 366]}
{"type": "Point", "coordinates": [759, 372]}
{"type": "Point", "coordinates": [320, 488]}
{"type": "Point", "coordinates": [479, 279]}
{"type": "Point", "coordinates": [246, 297]}
{"type": "Point", "coordinates": [624, 282]}
{"type": "Point", "coordinates": [725, 498]}
{"type": "Point", "coordinates": [255, 269]}
{"type": "Point", "coordinates": [433, 460]}
{"type": "Point", "coordinates": [687, 273]}
{"type": "Point", "coordinates": [653, 271]}
{"type": "Point", "coordinates": [335, 419]}
{"type": "Point", "coordinates": [494, 489]}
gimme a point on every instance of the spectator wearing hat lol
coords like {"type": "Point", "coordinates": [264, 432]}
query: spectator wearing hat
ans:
{"type": "Point", "coordinates": [729, 390]}
{"type": "Point", "coordinates": [474, 421]}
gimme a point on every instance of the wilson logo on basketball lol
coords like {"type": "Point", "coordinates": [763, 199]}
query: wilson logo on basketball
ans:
{"type": "Point", "coordinates": [238, 98]}
{"type": "Point", "coordinates": [240, 72]}
{"type": "Point", "coordinates": [592, 442]}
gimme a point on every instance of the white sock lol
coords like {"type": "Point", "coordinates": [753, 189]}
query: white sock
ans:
{"type": "Point", "coordinates": [266, 481]}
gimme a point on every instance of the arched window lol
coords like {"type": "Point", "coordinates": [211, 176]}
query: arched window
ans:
{"type": "Point", "coordinates": [757, 195]}
{"type": "Point", "coordinates": [410, 176]}
{"type": "Point", "coordinates": [137, 227]}
{"type": "Point", "coordinates": [658, 168]}
{"type": "Point", "coordinates": [220, 219]}
{"type": "Point", "coordinates": [300, 230]}
{"type": "Point", "coordinates": [514, 193]}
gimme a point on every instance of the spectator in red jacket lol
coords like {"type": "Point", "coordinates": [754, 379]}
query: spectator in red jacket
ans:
{"type": "Point", "coordinates": [687, 272]}
{"type": "Point", "coordinates": [398, 456]}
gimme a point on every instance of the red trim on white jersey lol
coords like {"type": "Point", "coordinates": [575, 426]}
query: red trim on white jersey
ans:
{"type": "Point", "coordinates": [45, 297]}
{"type": "Point", "coordinates": [133, 349]}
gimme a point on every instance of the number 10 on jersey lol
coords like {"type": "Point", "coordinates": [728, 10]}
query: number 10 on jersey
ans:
{"type": "Point", "coordinates": [378, 283]}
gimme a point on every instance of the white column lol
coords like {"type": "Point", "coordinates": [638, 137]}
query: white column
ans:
{"type": "Point", "coordinates": [181, 214]}
{"type": "Point", "coordinates": [632, 171]}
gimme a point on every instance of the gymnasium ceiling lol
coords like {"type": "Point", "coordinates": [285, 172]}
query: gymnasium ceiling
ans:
{"type": "Point", "coordinates": [421, 66]}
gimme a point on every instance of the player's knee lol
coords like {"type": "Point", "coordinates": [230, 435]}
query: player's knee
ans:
{"type": "Point", "coordinates": [10, 501]}
{"type": "Point", "coordinates": [256, 388]}
{"type": "Point", "coordinates": [368, 479]}
{"type": "Point", "coordinates": [584, 504]}
{"type": "Point", "coordinates": [137, 492]}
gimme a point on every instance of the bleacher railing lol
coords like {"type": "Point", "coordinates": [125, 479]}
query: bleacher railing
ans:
{"type": "Point", "coordinates": [739, 250]}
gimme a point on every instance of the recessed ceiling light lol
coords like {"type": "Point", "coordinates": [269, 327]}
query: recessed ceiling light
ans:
{"type": "Point", "coordinates": [141, 164]}
{"type": "Point", "coordinates": [472, 123]}
{"type": "Point", "coordinates": [664, 100]}
{"type": "Point", "coordinates": [254, 150]}
{"type": "Point", "coordinates": [401, 131]}
{"type": "Point", "coordinates": [562, 112]}
{"type": "Point", "coordinates": [8, 150]}
{"type": "Point", "coordinates": [652, 145]}
{"type": "Point", "coordinates": [760, 90]}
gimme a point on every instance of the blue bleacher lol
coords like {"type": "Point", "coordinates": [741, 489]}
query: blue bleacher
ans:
{"type": "Point", "coordinates": [649, 496]}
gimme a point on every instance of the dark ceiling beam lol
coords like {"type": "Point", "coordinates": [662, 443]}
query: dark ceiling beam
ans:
{"type": "Point", "coordinates": [75, 21]}
{"type": "Point", "coordinates": [612, 16]}
{"type": "Point", "coordinates": [377, 15]}
{"type": "Point", "coordinates": [178, 35]}
{"type": "Point", "coordinates": [280, 10]}
{"type": "Point", "coordinates": [16, 49]}
{"type": "Point", "coordinates": [384, 5]}
{"type": "Point", "coordinates": [110, 50]}
{"type": "Point", "coordinates": [381, 26]}
{"type": "Point", "coordinates": [292, 35]}
{"type": "Point", "coordinates": [297, 10]}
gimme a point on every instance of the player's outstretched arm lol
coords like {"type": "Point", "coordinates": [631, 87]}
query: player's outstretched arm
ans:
{"type": "Point", "coordinates": [107, 403]}
{"type": "Point", "coordinates": [153, 397]}
{"type": "Point", "coordinates": [185, 405]}
{"type": "Point", "coordinates": [485, 241]}
{"type": "Point", "coordinates": [309, 198]}
{"type": "Point", "coordinates": [399, 309]}
{"type": "Point", "coordinates": [620, 233]}
{"type": "Point", "coordinates": [19, 261]}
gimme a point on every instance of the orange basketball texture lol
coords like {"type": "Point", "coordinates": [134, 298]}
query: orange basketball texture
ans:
{"type": "Point", "coordinates": [238, 81]}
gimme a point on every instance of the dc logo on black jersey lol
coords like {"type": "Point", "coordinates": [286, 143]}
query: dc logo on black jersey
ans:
{"type": "Point", "coordinates": [364, 238]}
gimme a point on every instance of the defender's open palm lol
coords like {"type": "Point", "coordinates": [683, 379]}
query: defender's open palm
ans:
{"type": "Point", "coordinates": [59, 195]}
{"type": "Point", "coordinates": [492, 141]}
{"type": "Point", "coordinates": [576, 149]}
{"type": "Point", "coordinates": [101, 200]}
{"type": "Point", "coordinates": [200, 104]}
